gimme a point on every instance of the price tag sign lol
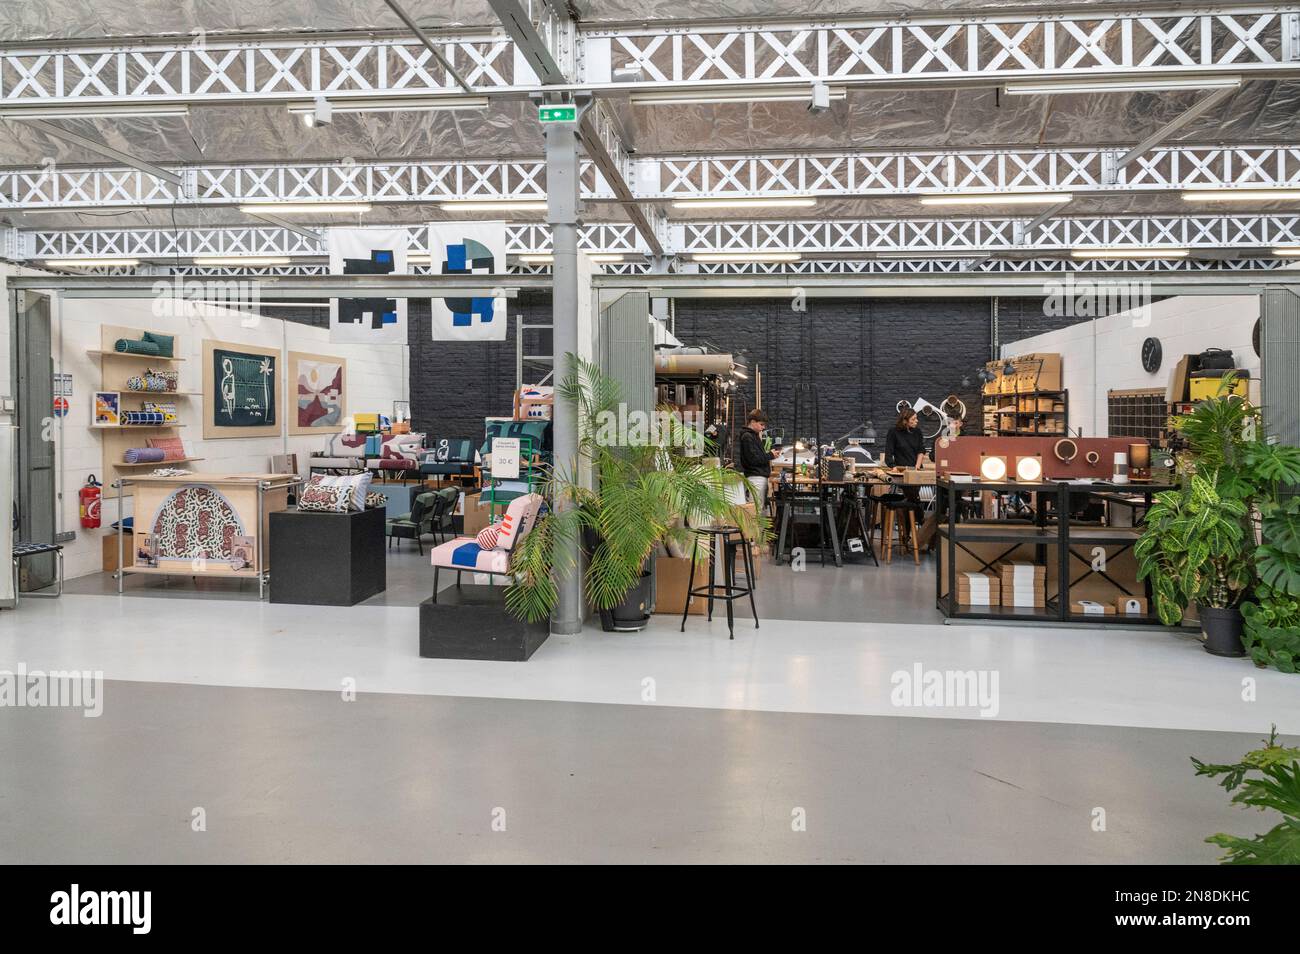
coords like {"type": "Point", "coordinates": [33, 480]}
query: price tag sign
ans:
{"type": "Point", "coordinates": [505, 458]}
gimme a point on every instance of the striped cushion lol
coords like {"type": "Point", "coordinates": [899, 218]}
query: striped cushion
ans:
{"type": "Point", "coordinates": [488, 536]}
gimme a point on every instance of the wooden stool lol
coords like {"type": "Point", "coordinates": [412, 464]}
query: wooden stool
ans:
{"type": "Point", "coordinates": [904, 535]}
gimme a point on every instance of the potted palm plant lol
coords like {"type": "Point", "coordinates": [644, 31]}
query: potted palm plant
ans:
{"type": "Point", "coordinates": [1195, 549]}
{"type": "Point", "coordinates": [634, 484]}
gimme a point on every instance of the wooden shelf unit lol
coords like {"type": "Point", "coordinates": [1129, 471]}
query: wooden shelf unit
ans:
{"type": "Point", "coordinates": [1035, 423]}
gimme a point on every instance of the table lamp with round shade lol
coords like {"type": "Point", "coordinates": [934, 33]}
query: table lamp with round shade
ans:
{"type": "Point", "coordinates": [1029, 469]}
{"type": "Point", "coordinates": [992, 467]}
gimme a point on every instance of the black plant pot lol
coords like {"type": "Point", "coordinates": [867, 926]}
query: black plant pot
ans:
{"type": "Point", "coordinates": [633, 612]}
{"type": "Point", "coordinates": [1222, 629]}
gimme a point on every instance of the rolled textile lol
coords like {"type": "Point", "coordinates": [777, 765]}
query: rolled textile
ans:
{"type": "Point", "coordinates": [127, 346]}
{"type": "Point", "coordinates": [144, 455]}
{"type": "Point", "coordinates": [143, 417]}
{"type": "Point", "coordinates": [693, 363]}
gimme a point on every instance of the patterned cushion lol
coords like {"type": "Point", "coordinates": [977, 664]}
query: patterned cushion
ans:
{"type": "Point", "coordinates": [488, 536]}
{"type": "Point", "coordinates": [520, 517]}
{"type": "Point", "coordinates": [325, 498]}
{"type": "Point", "coordinates": [173, 448]}
{"type": "Point", "coordinates": [356, 486]}
{"type": "Point", "coordinates": [464, 553]}
{"type": "Point", "coordinates": [376, 501]}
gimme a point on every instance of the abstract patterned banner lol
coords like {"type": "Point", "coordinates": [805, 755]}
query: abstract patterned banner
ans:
{"type": "Point", "coordinates": [469, 248]}
{"type": "Point", "coordinates": [367, 251]}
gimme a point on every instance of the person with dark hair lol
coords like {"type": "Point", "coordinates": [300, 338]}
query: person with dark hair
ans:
{"type": "Point", "coordinates": [754, 459]}
{"type": "Point", "coordinates": [904, 445]}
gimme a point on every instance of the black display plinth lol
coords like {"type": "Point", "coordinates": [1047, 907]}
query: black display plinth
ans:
{"type": "Point", "coordinates": [471, 622]}
{"type": "Point", "coordinates": [327, 559]}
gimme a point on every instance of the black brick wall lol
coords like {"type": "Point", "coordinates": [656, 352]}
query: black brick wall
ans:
{"type": "Point", "coordinates": [864, 355]}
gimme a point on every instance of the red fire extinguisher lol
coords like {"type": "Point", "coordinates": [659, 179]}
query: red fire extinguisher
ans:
{"type": "Point", "coordinates": [90, 496]}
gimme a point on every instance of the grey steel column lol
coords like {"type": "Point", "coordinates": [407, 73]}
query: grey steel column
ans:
{"type": "Point", "coordinates": [1279, 356]}
{"type": "Point", "coordinates": [562, 215]}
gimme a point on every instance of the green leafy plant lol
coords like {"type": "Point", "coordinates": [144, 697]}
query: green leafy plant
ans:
{"type": "Point", "coordinates": [626, 492]}
{"type": "Point", "coordinates": [1194, 548]}
{"type": "Point", "coordinates": [1267, 778]}
{"type": "Point", "coordinates": [1272, 617]}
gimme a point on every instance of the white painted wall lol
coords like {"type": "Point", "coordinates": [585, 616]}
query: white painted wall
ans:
{"type": "Point", "coordinates": [1106, 354]}
{"type": "Point", "coordinates": [376, 376]}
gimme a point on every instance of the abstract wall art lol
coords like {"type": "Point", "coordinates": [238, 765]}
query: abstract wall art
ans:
{"type": "Point", "coordinates": [367, 251]}
{"type": "Point", "coordinates": [315, 395]}
{"type": "Point", "coordinates": [469, 248]}
{"type": "Point", "coordinates": [240, 393]}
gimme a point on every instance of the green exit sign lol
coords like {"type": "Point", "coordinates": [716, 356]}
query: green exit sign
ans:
{"type": "Point", "coordinates": [557, 114]}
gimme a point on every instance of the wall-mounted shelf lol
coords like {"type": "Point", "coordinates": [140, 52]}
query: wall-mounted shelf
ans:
{"type": "Point", "coordinates": [99, 353]}
{"type": "Point", "coordinates": [161, 463]}
{"type": "Point", "coordinates": [160, 393]}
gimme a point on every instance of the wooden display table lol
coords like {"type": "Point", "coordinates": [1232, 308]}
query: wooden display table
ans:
{"type": "Point", "coordinates": [195, 521]}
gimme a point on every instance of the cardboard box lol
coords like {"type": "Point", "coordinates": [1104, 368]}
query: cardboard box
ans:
{"type": "Point", "coordinates": [1023, 583]}
{"type": "Point", "coordinates": [978, 589]}
{"type": "Point", "coordinates": [110, 550]}
{"type": "Point", "coordinates": [1092, 608]}
{"type": "Point", "coordinates": [1178, 380]}
{"type": "Point", "coordinates": [671, 582]}
{"type": "Point", "coordinates": [477, 515]}
{"type": "Point", "coordinates": [1131, 606]}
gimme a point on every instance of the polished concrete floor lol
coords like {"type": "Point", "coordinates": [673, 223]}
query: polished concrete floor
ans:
{"type": "Point", "coordinates": [295, 776]}
{"type": "Point", "coordinates": [661, 745]}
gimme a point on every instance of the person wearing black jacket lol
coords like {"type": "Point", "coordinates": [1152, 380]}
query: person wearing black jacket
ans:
{"type": "Point", "coordinates": [755, 460]}
{"type": "Point", "coordinates": [904, 445]}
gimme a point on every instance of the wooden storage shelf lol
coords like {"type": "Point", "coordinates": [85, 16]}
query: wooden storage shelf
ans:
{"type": "Point", "coordinates": [100, 353]}
{"type": "Point", "coordinates": [160, 463]}
{"type": "Point", "coordinates": [160, 393]}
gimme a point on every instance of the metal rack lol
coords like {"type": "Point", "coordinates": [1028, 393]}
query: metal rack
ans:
{"type": "Point", "coordinates": [1036, 418]}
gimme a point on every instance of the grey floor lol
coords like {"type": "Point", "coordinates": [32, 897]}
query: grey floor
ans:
{"type": "Point", "coordinates": [297, 776]}
{"type": "Point", "coordinates": [899, 592]}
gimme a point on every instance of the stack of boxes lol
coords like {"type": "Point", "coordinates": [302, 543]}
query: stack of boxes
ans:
{"type": "Point", "coordinates": [978, 589]}
{"type": "Point", "coordinates": [1023, 584]}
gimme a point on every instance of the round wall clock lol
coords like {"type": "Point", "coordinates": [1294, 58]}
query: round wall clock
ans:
{"type": "Point", "coordinates": [1152, 354]}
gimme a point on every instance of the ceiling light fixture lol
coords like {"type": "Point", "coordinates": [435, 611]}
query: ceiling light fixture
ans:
{"type": "Point", "coordinates": [537, 259]}
{"type": "Point", "coordinates": [773, 202]}
{"type": "Point", "coordinates": [413, 104]}
{"type": "Point", "coordinates": [245, 260]}
{"type": "Point", "coordinates": [998, 198]}
{"type": "Point", "coordinates": [1241, 195]}
{"type": "Point", "coordinates": [1287, 251]}
{"type": "Point", "coordinates": [494, 205]}
{"type": "Point", "coordinates": [1123, 86]}
{"type": "Point", "coordinates": [91, 262]}
{"type": "Point", "coordinates": [306, 208]}
{"type": "Point", "coordinates": [745, 257]}
{"type": "Point", "coordinates": [419, 258]}
{"type": "Point", "coordinates": [780, 94]}
{"type": "Point", "coordinates": [1129, 252]}
{"type": "Point", "coordinates": [124, 111]}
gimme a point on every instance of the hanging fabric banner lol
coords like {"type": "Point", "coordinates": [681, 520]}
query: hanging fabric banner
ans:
{"type": "Point", "coordinates": [469, 248]}
{"type": "Point", "coordinates": [367, 251]}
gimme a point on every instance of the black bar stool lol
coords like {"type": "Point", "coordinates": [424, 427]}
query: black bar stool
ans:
{"type": "Point", "coordinates": [729, 539]}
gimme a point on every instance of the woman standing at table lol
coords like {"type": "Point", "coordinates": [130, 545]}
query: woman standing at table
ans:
{"type": "Point", "coordinates": [904, 445]}
{"type": "Point", "coordinates": [755, 460]}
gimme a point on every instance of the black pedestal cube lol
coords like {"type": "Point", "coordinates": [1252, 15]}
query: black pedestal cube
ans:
{"type": "Point", "coordinates": [472, 622]}
{"type": "Point", "coordinates": [327, 559]}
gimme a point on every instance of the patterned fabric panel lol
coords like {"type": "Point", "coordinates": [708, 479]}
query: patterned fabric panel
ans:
{"type": "Point", "coordinates": [173, 448]}
{"type": "Point", "coordinates": [143, 417]}
{"type": "Point", "coordinates": [196, 522]}
{"type": "Point", "coordinates": [326, 499]}
{"type": "Point", "coordinates": [464, 553]}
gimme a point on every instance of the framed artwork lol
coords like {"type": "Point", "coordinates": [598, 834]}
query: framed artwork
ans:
{"type": "Point", "coordinates": [315, 398]}
{"type": "Point", "coordinates": [106, 409]}
{"type": "Point", "coordinates": [239, 391]}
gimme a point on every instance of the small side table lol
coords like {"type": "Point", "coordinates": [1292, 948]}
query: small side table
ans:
{"type": "Point", "coordinates": [729, 539]}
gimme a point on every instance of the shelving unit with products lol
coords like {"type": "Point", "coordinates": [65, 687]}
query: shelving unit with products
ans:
{"type": "Point", "coordinates": [1027, 414]}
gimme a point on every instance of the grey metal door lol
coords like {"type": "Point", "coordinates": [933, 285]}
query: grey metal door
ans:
{"type": "Point", "coordinates": [37, 429]}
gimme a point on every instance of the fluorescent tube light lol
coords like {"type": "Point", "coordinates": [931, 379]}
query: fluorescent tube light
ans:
{"type": "Point", "coordinates": [537, 259]}
{"type": "Point", "coordinates": [1129, 253]}
{"type": "Point", "coordinates": [249, 260]}
{"type": "Point", "coordinates": [998, 198]}
{"type": "Point", "coordinates": [1123, 86]}
{"type": "Point", "coordinates": [494, 205]}
{"type": "Point", "coordinates": [598, 258]}
{"type": "Point", "coordinates": [122, 111]}
{"type": "Point", "coordinates": [793, 94]}
{"type": "Point", "coordinates": [419, 258]}
{"type": "Point", "coordinates": [306, 208]}
{"type": "Point", "coordinates": [773, 202]}
{"type": "Point", "coordinates": [1287, 251]}
{"type": "Point", "coordinates": [394, 104]}
{"type": "Point", "coordinates": [745, 257]}
{"type": "Point", "coordinates": [91, 262]}
{"type": "Point", "coordinates": [1241, 195]}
